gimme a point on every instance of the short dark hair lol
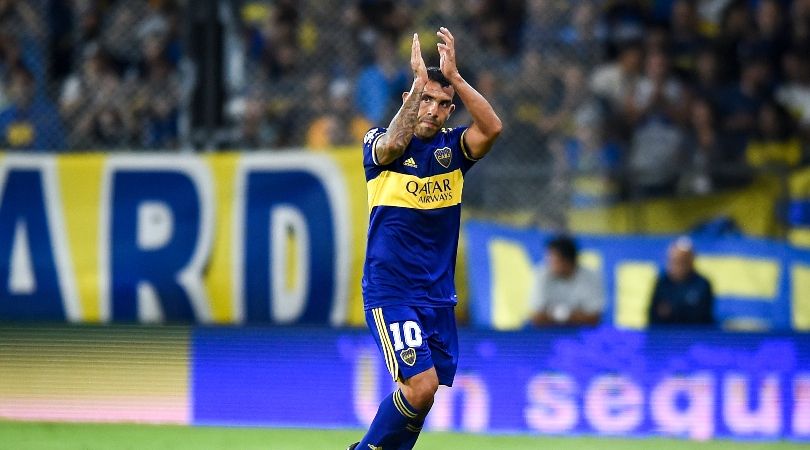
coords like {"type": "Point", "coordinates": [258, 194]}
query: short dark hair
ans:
{"type": "Point", "coordinates": [565, 246]}
{"type": "Point", "coordinates": [435, 74]}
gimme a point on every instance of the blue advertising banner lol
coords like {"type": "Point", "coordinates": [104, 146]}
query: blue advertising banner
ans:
{"type": "Point", "coordinates": [694, 384]}
{"type": "Point", "coordinates": [757, 281]}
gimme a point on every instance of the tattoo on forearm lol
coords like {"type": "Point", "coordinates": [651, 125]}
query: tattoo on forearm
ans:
{"type": "Point", "coordinates": [400, 131]}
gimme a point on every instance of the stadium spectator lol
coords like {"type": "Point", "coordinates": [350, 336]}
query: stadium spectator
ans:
{"type": "Point", "coordinates": [338, 125]}
{"type": "Point", "coordinates": [565, 293]}
{"type": "Point", "coordinates": [775, 144]}
{"type": "Point", "coordinates": [545, 22]}
{"type": "Point", "coordinates": [572, 96]}
{"type": "Point", "coordinates": [681, 295]}
{"type": "Point", "coordinates": [273, 41]}
{"type": "Point", "coordinates": [740, 103]}
{"type": "Point", "coordinates": [616, 81]}
{"type": "Point", "coordinates": [498, 26]}
{"type": "Point", "coordinates": [794, 93]}
{"type": "Point", "coordinates": [157, 92]}
{"type": "Point", "coordinates": [704, 146]}
{"type": "Point", "coordinates": [587, 162]}
{"type": "Point", "coordinates": [30, 121]}
{"type": "Point", "coordinates": [254, 129]}
{"type": "Point", "coordinates": [706, 81]}
{"type": "Point", "coordinates": [736, 26]}
{"type": "Point", "coordinates": [584, 39]}
{"type": "Point", "coordinates": [380, 84]}
{"type": "Point", "coordinates": [772, 38]}
{"type": "Point", "coordinates": [657, 145]}
{"type": "Point", "coordinates": [94, 91]}
{"type": "Point", "coordinates": [686, 38]}
{"type": "Point", "coordinates": [800, 21]}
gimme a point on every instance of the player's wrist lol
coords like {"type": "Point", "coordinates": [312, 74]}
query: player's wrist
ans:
{"type": "Point", "coordinates": [455, 78]}
{"type": "Point", "coordinates": [418, 85]}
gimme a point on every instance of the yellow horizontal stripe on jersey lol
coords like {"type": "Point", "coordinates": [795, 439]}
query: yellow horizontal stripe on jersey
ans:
{"type": "Point", "coordinates": [409, 191]}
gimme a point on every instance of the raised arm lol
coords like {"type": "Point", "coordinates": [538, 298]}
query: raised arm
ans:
{"type": "Point", "coordinates": [486, 126]}
{"type": "Point", "coordinates": [392, 144]}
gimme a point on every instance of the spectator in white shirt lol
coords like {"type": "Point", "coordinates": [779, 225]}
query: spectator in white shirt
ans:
{"type": "Point", "coordinates": [565, 293]}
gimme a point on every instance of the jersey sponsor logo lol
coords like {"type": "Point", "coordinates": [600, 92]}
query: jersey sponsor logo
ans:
{"type": "Point", "coordinates": [408, 191]}
{"type": "Point", "coordinates": [430, 191]}
{"type": "Point", "coordinates": [410, 163]}
{"type": "Point", "coordinates": [408, 356]}
{"type": "Point", "coordinates": [443, 155]}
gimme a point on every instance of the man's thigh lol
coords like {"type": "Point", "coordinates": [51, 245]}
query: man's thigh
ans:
{"type": "Point", "coordinates": [399, 334]}
{"type": "Point", "coordinates": [440, 327]}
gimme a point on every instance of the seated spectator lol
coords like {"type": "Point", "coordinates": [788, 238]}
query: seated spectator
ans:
{"type": "Point", "coordinates": [30, 121]}
{"type": "Point", "coordinates": [566, 293]}
{"type": "Point", "coordinates": [775, 143]}
{"type": "Point", "coordinates": [681, 295]}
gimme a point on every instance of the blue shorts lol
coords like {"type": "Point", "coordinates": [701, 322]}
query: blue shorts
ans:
{"type": "Point", "coordinates": [414, 339]}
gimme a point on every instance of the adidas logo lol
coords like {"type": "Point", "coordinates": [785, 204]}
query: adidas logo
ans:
{"type": "Point", "coordinates": [410, 163]}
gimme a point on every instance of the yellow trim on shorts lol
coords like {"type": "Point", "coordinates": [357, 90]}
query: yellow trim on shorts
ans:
{"type": "Point", "coordinates": [388, 349]}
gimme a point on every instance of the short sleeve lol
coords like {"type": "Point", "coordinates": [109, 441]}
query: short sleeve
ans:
{"type": "Point", "coordinates": [593, 300]}
{"type": "Point", "coordinates": [369, 156]}
{"type": "Point", "coordinates": [468, 160]}
{"type": "Point", "coordinates": [537, 291]}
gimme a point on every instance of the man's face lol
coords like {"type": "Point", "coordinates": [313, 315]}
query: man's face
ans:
{"type": "Point", "coordinates": [679, 263]}
{"type": "Point", "coordinates": [557, 265]}
{"type": "Point", "coordinates": [435, 107]}
{"type": "Point", "coordinates": [21, 89]}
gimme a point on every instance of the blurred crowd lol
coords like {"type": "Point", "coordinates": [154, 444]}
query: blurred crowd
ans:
{"type": "Point", "coordinates": [90, 74]}
{"type": "Point", "coordinates": [602, 99]}
{"type": "Point", "coordinates": [617, 98]}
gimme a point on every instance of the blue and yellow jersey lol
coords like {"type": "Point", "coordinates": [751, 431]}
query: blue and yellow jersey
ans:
{"type": "Point", "coordinates": [415, 212]}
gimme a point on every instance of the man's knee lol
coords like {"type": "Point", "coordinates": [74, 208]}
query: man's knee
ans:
{"type": "Point", "coordinates": [420, 389]}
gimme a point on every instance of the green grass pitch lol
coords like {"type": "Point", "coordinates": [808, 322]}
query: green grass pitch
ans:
{"type": "Point", "coordinates": [53, 436]}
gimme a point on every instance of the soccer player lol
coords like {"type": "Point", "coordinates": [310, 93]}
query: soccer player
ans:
{"type": "Point", "coordinates": [415, 174]}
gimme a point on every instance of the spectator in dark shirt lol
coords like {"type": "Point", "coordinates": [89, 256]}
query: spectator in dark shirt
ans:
{"type": "Point", "coordinates": [681, 296]}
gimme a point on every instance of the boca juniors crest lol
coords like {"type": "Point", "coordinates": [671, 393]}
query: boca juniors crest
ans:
{"type": "Point", "coordinates": [443, 155]}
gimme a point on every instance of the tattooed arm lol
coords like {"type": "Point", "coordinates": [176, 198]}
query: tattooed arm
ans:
{"type": "Point", "coordinates": [392, 144]}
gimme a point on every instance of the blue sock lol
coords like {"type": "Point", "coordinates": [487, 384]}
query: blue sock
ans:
{"type": "Point", "coordinates": [393, 417]}
{"type": "Point", "coordinates": [411, 433]}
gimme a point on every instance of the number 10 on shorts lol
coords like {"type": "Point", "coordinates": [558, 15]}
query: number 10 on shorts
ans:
{"type": "Point", "coordinates": [410, 330]}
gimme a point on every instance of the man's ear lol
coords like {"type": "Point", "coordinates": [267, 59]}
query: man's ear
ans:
{"type": "Point", "coordinates": [452, 108]}
{"type": "Point", "coordinates": [404, 96]}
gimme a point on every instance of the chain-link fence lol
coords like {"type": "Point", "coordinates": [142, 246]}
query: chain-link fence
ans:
{"type": "Point", "coordinates": [84, 74]}
{"type": "Point", "coordinates": [602, 100]}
